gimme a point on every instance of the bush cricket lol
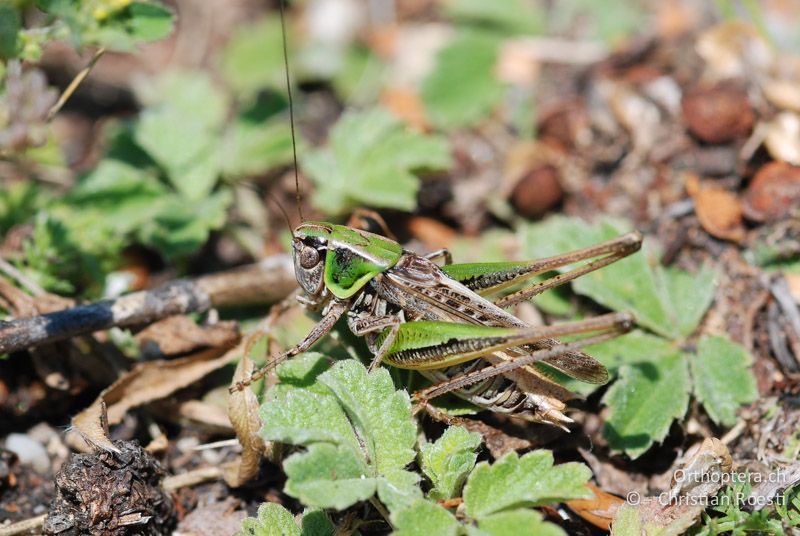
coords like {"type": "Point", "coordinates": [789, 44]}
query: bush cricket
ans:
{"type": "Point", "coordinates": [439, 320]}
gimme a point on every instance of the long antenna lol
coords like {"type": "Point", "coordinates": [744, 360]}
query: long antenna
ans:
{"type": "Point", "coordinates": [291, 111]}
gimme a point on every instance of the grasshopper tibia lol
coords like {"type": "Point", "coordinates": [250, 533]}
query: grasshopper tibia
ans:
{"type": "Point", "coordinates": [609, 325]}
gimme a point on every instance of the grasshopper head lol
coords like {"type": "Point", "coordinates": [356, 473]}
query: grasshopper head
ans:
{"type": "Point", "coordinates": [309, 247]}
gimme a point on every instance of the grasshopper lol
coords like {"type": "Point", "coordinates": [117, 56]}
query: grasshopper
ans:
{"type": "Point", "coordinates": [439, 320]}
{"type": "Point", "coordinates": [415, 314]}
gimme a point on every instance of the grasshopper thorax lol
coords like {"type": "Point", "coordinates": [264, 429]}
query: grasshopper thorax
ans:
{"type": "Point", "coordinates": [338, 259]}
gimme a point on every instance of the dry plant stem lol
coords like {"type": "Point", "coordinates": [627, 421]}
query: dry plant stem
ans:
{"type": "Point", "coordinates": [194, 477]}
{"type": "Point", "coordinates": [80, 77]}
{"type": "Point", "coordinates": [9, 269]}
{"type": "Point", "coordinates": [23, 527]}
{"type": "Point", "coordinates": [265, 282]}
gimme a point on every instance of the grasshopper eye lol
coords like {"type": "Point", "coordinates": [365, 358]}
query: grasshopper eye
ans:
{"type": "Point", "coordinates": [309, 257]}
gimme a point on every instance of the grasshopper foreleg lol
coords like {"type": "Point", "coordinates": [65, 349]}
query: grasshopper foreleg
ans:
{"type": "Point", "coordinates": [369, 325]}
{"type": "Point", "coordinates": [335, 311]}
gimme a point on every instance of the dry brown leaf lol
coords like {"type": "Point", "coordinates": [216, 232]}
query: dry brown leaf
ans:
{"type": "Point", "coordinates": [599, 510]}
{"type": "Point", "coordinates": [719, 211]}
{"type": "Point", "coordinates": [243, 413]}
{"type": "Point", "coordinates": [406, 105]}
{"type": "Point", "coordinates": [433, 233]}
{"type": "Point", "coordinates": [180, 335]}
{"type": "Point", "coordinates": [671, 513]}
{"type": "Point", "coordinates": [92, 425]}
{"type": "Point", "coordinates": [146, 383]}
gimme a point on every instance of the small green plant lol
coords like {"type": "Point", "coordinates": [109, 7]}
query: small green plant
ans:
{"type": "Point", "coordinates": [655, 371]}
{"type": "Point", "coordinates": [359, 440]}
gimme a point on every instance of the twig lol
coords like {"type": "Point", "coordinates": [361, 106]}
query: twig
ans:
{"type": "Point", "coordinates": [193, 477]}
{"type": "Point", "coordinates": [22, 527]}
{"type": "Point", "coordinates": [266, 282]}
{"type": "Point", "coordinates": [80, 77]}
{"type": "Point", "coordinates": [381, 510]}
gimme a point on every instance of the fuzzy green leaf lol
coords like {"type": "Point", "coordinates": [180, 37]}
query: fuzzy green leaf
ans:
{"type": "Point", "coordinates": [272, 520]}
{"type": "Point", "coordinates": [148, 21]}
{"type": "Point", "coordinates": [648, 396]}
{"type": "Point", "coordinates": [275, 520]}
{"type": "Point", "coordinates": [691, 295]}
{"type": "Point", "coordinates": [722, 378]}
{"type": "Point", "coordinates": [180, 130]}
{"type": "Point", "coordinates": [462, 88]}
{"type": "Point", "coordinates": [448, 461]}
{"type": "Point", "coordinates": [519, 523]}
{"type": "Point", "coordinates": [329, 476]}
{"type": "Point", "coordinates": [357, 428]}
{"type": "Point", "coordinates": [252, 59]}
{"type": "Point", "coordinates": [425, 517]}
{"type": "Point", "coordinates": [509, 17]}
{"type": "Point", "coordinates": [370, 160]}
{"type": "Point", "coordinates": [531, 480]}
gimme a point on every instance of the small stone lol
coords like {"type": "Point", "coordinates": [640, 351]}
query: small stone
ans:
{"type": "Point", "coordinates": [29, 452]}
{"type": "Point", "coordinates": [773, 193]}
{"type": "Point", "coordinates": [718, 113]}
{"type": "Point", "coordinates": [537, 192]}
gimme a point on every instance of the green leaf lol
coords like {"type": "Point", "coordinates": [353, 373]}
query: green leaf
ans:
{"type": "Point", "coordinates": [149, 21]}
{"type": "Point", "coordinates": [425, 517]}
{"type": "Point", "coordinates": [274, 520]}
{"type": "Point", "coordinates": [370, 161]}
{"type": "Point", "coordinates": [646, 398]}
{"type": "Point", "coordinates": [180, 130]}
{"type": "Point", "coordinates": [668, 302]}
{"type": "Point", "coordinates": [10, 25]}
{"type": "Point", "coordinates": [518, 522]}
{"type": "Point", "coordinates": [462, 89]}
{"type": "Point", "coordinates": [508, 17]}
{"type": "Point", "coordinates": [722, 378]}
{"type": "Point", "coordinates": [531, 480]}
{"type": "Point", "coordinates": [631, 348]}
{"type": "Point", "coordinates": [378, 412]}
{"type": "Point", "coordinates": [252, 148]}
{"type": "Point", "coordinates": [448, 461]}
{"type": "Point", "coordinates": [179, 227]}
{"type": "Point", "coordinates": [358, 430]}
{"type": "Point", "coordinates": [252, 59]}
{"type": "Point", "coordinates": [329, 477]}
{"type": "Point", "coordinates": [691, 295]}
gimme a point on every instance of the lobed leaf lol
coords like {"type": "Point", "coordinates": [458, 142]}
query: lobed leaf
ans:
{"type": "Point", "coordinates": [722, 378]}
{"type": "Point", "coordinates": [646, 398]}
{"type": "Point", "coordinates": [274, 520]}
{"type": "Point", "coordinates": [370, 160]}
{"type": "Point", "coordinates": [462, 88]}
{"type": "Point", "coordinates": [531, 480]}
{"type": "Point", "coordinates": [425, 517]}
{"type": "Point", "coordinates": [517, 522]}
{"type": "Point", "coordinates": [357, 429]}
{"type": "Point", "coordinates": [448, 461]}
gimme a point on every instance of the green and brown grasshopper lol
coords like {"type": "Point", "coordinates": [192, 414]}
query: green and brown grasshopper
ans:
{"type": "Point", "coordinates": [437, 320]}
{"type": "Point", "coordinates": [417, 315]}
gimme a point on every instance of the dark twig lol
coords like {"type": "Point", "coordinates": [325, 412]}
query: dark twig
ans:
{"type": "Point", "coordinates": [266, 282]}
